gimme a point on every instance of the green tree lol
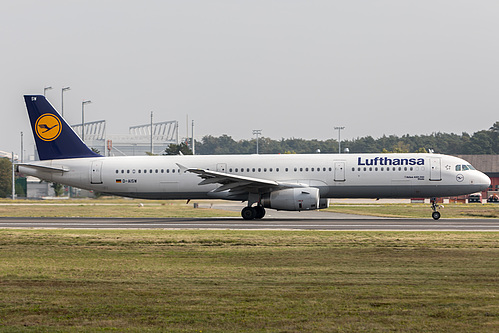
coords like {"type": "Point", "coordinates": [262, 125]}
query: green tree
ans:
{"type": "Point", "coordinates": [5, 177]}
{"type": "Point", "coordinates": [58, 189]}
{"type": "Point", "coordinates": [174, 149]}
{"type": "Point", "coordinates": [481, 142]}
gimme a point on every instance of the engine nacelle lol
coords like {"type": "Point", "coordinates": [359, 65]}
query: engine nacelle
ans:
{"type": "Point", "coordinates": [305, 198]}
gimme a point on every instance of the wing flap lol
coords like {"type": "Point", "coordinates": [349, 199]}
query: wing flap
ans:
{"type": "Point", "coordinates": [231, 182]}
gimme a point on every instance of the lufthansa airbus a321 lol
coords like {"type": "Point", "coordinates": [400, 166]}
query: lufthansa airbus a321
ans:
{"type": "Point", "coordinates": [292, 182]}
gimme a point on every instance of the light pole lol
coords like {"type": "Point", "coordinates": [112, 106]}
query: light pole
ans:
{"type": "Point", "coordinates": [62, 99]}
{"type": "Point", "coordinates": [192, 141]}
{"type": "Point", "coordinates": [83, 119]}
{"type": "Point", "coordinates": [339, 128]}
{"type": "Point", "coordinates": [151, 134]}
{"type": "Point", "coordinates": [22, 144]}
{"type": "Point", "coordinates": [257, 133]}
{"type": "Point", "coordinates": [45, 90]}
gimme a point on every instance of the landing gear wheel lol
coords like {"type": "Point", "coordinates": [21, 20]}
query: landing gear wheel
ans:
{"type": "Point", "coordinates": [248, 213]}
{"type": "Point", "coordinates": [434, 207]}
{"type": "Point", "coordinates": [260, 212]}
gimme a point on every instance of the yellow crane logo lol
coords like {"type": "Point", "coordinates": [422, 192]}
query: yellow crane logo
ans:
{"type": "Point", "coordinates": [48, 127]}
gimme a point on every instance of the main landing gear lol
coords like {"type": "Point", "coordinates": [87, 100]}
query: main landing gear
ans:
{"type": "Point", "coordinates": [435, 207]}
{"type": "Point", "coordinates": [251, 213]}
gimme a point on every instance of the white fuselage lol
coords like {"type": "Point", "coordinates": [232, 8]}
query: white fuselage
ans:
{"type": "Point", "coordinates": [335, 175]}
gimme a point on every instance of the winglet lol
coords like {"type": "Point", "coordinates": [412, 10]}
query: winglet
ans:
{"type": "Point", "coordinates": [54, 138]}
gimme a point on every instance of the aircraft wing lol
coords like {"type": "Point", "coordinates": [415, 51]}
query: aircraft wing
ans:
{"type": "Point", "coordinates": [236, 183]}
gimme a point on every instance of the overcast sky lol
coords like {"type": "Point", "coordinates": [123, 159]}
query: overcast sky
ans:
{"type": "Point", "coordinates": [291, 68]}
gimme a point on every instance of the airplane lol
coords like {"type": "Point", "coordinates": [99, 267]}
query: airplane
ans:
{"type": "Point", "coordinates": [291, 182]}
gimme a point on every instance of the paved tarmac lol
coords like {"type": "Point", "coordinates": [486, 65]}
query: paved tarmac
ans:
{"type": "Point", "coordinates": [299, 221]}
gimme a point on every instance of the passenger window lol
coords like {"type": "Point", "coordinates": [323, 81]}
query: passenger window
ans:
{"type": "Point", "coordinates": [122, 171]}
{"type": "Point", "coordinates": [295, 169]}
{"type": "Point", "coordinates": [230, 170]}
{"type": "Point", "coordinates": [365, 169]}
{"type": "Point", "coordinates": [140, 171]}
{"type": "Point", "coordinates": [376, 169]}
{"type": "Point", "coordinates": [117, 171]}
{"type": "Point", "coordinates": [353, 169]}
{"type": "Point", "coordinates": [306, 169]}
{"type": "Point", "coordinates": [264, 169]}
{"type": "Point", "coordinates": [259, 169]}
{"type": "Point", "coordinates": [382, 169]}
{"type": "Point", "coordinates": [150, 171]}
{"type": "Point", "coordinates": [253, 169]}
{"type": "Point", "coordinates": [458, 168]}
{"type": "Point", "coordinates": [173, 170]}
{"type": "Point", "coordinates": [370, 168]}
{"type": "Point", "coordinates": [157, 170]}
{"type": "Point", "coordinates": [301, 169]}
{"type": "Point", "coordinates": [405, 168]}
{"type": "Point", "coordinates": [162, 170]}
{"type": "Point", "coordinates": [167, 170]}
{"type": "Point", "coordinates": [312, 169]}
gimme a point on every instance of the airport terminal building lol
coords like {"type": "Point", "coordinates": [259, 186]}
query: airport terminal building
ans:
{"type": "Point", "coordinates": [488, 164]}
{"type": "Point", "coordinates": [140, 140]}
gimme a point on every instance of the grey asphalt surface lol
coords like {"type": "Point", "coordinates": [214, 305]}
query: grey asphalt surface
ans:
{"type": "Point", "coordinates": [300, 221]}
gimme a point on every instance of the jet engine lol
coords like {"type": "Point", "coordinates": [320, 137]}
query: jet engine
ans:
{"type": "Point", "coordinates": [304, 198]}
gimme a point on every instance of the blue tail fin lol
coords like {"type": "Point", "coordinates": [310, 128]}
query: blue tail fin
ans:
{"type": "Point", "coordinates": [54, 138]}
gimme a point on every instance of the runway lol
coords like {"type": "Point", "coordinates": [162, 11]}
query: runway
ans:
{"type": "Point", "coordinates": [296, 223]}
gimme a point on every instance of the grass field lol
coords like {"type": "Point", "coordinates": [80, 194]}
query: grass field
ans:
{"type": "Point", "coordinates": [106, 208]}
{"type": "Point", "coordinates": [248, 281]}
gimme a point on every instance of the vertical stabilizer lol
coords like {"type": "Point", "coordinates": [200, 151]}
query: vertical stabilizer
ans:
{"type": "Point", "coordinates": [54, 138]}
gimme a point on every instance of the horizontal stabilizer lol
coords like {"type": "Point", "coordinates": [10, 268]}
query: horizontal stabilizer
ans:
{"type": "Point", "coordinates": [42, 167]}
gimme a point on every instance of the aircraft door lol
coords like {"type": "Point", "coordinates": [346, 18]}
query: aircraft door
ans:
{"type": "Point", "coordinates": [222, 167]}
{"type": "Point", "coordinates": [339, 171]}
{"type": "Point", "coordinates": [435, 169]}
{"type": "Point", "coordinates": [96, 173]}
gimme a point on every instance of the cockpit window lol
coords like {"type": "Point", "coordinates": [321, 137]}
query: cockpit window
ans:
{"type": "Point", "coordinates": [463, 167]}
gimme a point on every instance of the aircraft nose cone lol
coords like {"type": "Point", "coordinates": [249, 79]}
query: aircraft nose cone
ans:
{"type": "Point", "coordinates": [484, 180]}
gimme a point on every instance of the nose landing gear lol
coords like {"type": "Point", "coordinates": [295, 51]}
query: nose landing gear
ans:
{"type": "Point", "coordinates": [435, 207]}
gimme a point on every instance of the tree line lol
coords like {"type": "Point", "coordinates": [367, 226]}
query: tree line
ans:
{"type": "Point", "coordinates": [479, 143]}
